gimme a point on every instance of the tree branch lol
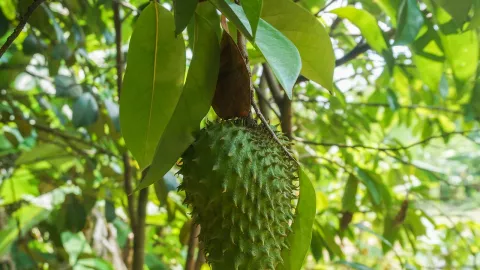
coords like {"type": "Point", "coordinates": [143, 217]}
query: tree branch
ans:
{"type": "Point", "coordinates": [192, 244]}
{"type": "Point", "coordinates": [358, 50]}
{"type": "Point", "coordinates": [139, 234]}
{"type": "Point", "coordinates": [20, 26]}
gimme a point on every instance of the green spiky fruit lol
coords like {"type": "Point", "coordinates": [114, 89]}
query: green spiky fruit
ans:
{"type": "Point", "coordinates": [240, 184]}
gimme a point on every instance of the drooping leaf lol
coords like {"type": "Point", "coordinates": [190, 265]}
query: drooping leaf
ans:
{"type": "Point", "coordinates": [309, 36]}
{"type": "Point", "coordinates": [110, 214]}
{"type": "Point", "coordinates": [252, 9]}
{"type": "Point", "coordinates": [7, 8]}
{"type": "Point", "coordinates": [280, 53]}
{"type": "Point", "coordinates": [350, 193]}
{"type": "Point", "coordinates": [392, 100]}
{"type": "Point", "coordinates": [390, 233]}
{"type": "Point", "coordinates": [161, 189]}
{"type": "Point", "coordinates": [184, 11]}
{"type": "Point", "coordinates": [409, 22]}
{"type": "Point", "coordinates": [85, 110]}
{"type": "Point", "coordinates": [152, 83]}
{"type": "Point", "coordinates": [193, 104]}
{"type": "Point", "coordinates": [316, 246]}
{"type": "Point", "coordinates": [301, 236]}
{"type": "Point", "coordinates": [232, 94]}
{"type": "Point", "coordinates": [367, 24]}
{"type": "Point", "coordinates": [368, 180]}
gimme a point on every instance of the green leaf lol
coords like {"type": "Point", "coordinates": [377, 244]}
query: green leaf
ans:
{"type": "Point", "coordinates": [28, 216]}
{"type": "Point", "coordinates": [353, 265]}
{"type": "Point", "coordinates": [475, 21]}
{"type": "Point", "coordinates": [350, 193]}
{"type": "Point", "coordinates": [228, 12]}
{"type": "Point", "coordinates": [409, 22]}
{"type": "Point", "coordinates": [457, 9]}
{"type": "Point", "coordinates": [367, 24]}
{"type": "Point", "coordinates": [428, 56]}
{"type": "Point", "coordinates": [184, 10]}
{"type": "Point", "coordinates": [110, 214]}
{"type": "Point", "coordinates": [4, 24]}
{"type": "Point", "coordinates": [75, 245]}
{"type": "Point", "coordinates": [390, 8]}
{"type": "Point", "coordinates": [7, 8]}
{"type": "Point", "coordinates": [461, 51]}
{"type": "Point", "coordinates": [84, 110]}
{"type": "Point", "coordinates": [66, 86]}
{"type": "Point", "coordinates": [162, 187]}
{"type": "Point", "coordinates": [301, 236]}
{"type": "Point", "coordinates": [280, 53]}
{"type": "Point", "coordinates": [193, 104]}
{"type": "Point", "coordinates": [392, 100]}
{"type": "Point", "coordinates": [153, 81]}
{"type": "Point", "coordinates": [390, 234]}
{"type": "Point", "coordinates": [368, 180]}
{"type": "Point", "coordinates": [309, 36]}
{"type": "Point", "coordinates": [317, 245]}
{"type": "Point", "coordinates": [252, 9]}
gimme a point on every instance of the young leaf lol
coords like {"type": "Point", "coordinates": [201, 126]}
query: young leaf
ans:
{"type": "Point", "coordinates": [184, 11]}
{"type": "Point", "coordinates": [309, 36]}
{"type": "Point", "coordinates": [301, 236]}
{"type": "Point", "coordinates": [280, 53]}
{"type": "Point", "coordinates": [232, 94]}
{"type": "Point", "coordinates": [193, 104]}
{"type": "Point", "coordinates": [253, 9]}
{"type": "Point", "coordinates": [153, 81]}
{"type": "Point", "coordinates": [367, 24]}
{"type": "Point", "coordinates": [409, 22]}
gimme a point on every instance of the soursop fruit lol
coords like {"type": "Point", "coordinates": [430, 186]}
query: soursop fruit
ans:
{"type": "Point", "coordinates": [240, 184]}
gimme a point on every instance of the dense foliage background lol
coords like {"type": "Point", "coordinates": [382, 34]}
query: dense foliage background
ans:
{"type": "Point", "coordinates": [393, 149]}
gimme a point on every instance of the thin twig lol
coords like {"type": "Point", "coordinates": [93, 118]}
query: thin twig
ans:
{"type": "Point", "coordinates": [463, 132]}
{"type": "Point", "coordinates": [20, 26]}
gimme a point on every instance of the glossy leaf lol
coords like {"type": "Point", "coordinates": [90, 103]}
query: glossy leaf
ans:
{"type": "Point", "coordinates": [153, 81]}
{"type": "Point", "coordinates": [184, 11]}
{"type": "Point", "coordinates": [309, 36]}
{"type": "Point", "coordinates": [350, 193]}
{"type": "Point", "coordinates": [228, 12]}
{"type": "Point", "coordinates": [280, 53]}
{"type": "Point", "coordinates": [367, 24]}
{"type": "Point", "coordinates": [302, 225]}
{"type": "Point", "coordinates": [193, 104]}
{"type": "Point", "coordinates": [252, 9]}
{"type": "Point", "coordinates": [85, 110]}
{"type": "Point", "coordinates": [409, 22]}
